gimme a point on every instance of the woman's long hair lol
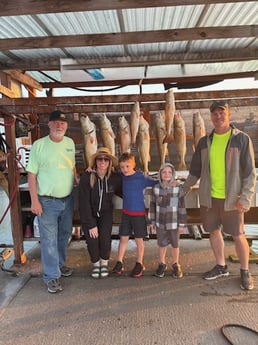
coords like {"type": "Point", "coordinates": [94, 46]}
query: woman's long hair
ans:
{"type": "Point", "coordinates": [93, 177]}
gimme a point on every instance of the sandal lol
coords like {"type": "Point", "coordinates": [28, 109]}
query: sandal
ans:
{"type": "Point", "coordinates": [95, 272]}
{"type": "Point", "coordinates": [104, 271]}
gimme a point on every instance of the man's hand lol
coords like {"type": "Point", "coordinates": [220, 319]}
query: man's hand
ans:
{"type": "Point", "coordinates": [240, 207]}
{"type": "Point", "coordinates": [36, 208]}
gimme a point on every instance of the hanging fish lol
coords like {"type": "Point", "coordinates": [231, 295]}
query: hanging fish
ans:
{"type": "Point", "coordinates": [143, 143]}
{"type": "Point", "coordinates": [90, 138]}
{"type": "Point", "coordinates": [180, 140]}
{"type": "Point", "coordinates": [198, 129]}
{"type": "Point", "coordinates": [170, 110]}
{"type": "Point", "coordinates": [107, 133]}
{"type": "Point", "coordinates": [160, 129]}
{"type": "Point", "coordinates": [124, 134]}
{"type": "Point", "coordinates": [134, 122]}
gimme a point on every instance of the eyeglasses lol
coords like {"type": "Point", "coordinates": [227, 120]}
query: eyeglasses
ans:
{"type": "Point", "coordinates": [106, 159]}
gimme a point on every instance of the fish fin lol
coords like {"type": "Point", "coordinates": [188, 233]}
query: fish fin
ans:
{"type": "Point", "coordinates": [193, 147]}
{"type": "Point", "coordinates": [112, 134]}
{"type": "Point", "coordinates": [182, 166]}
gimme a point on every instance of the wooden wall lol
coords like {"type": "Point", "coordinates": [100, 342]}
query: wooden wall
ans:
{"type": "Point", "coordinates": [244, 109]}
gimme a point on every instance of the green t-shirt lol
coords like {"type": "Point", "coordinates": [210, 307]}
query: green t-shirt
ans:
{"type": "Point", "coordinates": [217, 164]}
{"type": "Point", "coordinates": [53, 163]}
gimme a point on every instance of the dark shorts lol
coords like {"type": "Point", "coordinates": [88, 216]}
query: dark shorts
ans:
{"type": "Point", "coordinates": [130, 225]}
{"type": "Point", "coordinates": [231, 222]}
{"type": "Point", "coordinates": [166, 237]}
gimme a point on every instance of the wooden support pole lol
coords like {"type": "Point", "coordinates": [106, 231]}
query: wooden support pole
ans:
{"type": "Point", "coordinates": [13, 178]}
{"type": "Point", "coordinates": [15, 210]}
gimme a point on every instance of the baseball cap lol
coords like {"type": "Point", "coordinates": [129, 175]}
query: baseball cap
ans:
{"type": "Point", "coordinates": [219, 104]}
{"type": "Point", "coordinates": [57, 115]}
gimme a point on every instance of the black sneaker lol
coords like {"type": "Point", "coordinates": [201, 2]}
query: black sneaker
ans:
{"type": "Point", "coordinates": [176, 271]}
{"type": "Point", "coordinates": [216, 272]}
{"type": "Point", "coordinates": [118, 269]}
{"type": "Point", "coordinates": [54, 286]}
{"type": "Point", "coordinates": [137, 271]}
{"type": "Point", "coordinates": [160, 272]}
{"type": "Point", "coordinates": [246, 280]}
{"type": "Point", "coordinates": [66, 271]}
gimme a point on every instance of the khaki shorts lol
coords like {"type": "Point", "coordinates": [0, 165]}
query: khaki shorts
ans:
{"type": "Point", "coordinates": [231, 222]}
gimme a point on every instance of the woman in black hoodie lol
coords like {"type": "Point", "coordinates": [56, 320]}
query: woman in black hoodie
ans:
{"type": "Point", "coordinates": [96, 190]}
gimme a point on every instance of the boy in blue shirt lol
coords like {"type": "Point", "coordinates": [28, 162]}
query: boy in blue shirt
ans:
{"type": "Point", "coordinates": [133, 213]}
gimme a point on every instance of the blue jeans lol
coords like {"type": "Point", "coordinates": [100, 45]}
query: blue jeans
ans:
{"type": "Point", "coordinates": [55, 227]}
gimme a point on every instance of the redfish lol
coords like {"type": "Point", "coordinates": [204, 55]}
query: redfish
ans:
{"type": "Point", "coordinates": [134, 122]}
{"type": "Point", "coordinates": [180, 140]}
{"type": "Point", "coordinates": [143, 143]}
{"type": "Point", "coordinates": [89, 136]}
{"type": "Point", "coordinates": [170, 110]}
{"type": "Point", "coordinates": [107, 133]}
{"type": "Point", "coordinates": [124, 134]}
{"type": "Point", "coordinates": [160, 129]}
{"type": "Point", "coordinates": [198, 129]}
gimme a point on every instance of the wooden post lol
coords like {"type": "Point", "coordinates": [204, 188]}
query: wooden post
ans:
{"type": "Point", "coordinates": [13, 179]}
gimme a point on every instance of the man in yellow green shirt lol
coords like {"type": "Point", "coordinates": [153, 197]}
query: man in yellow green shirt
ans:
{"type": "Point", "coordinates": [224, 162]}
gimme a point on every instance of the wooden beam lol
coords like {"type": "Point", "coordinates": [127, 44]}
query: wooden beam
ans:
{"type": "Point", "coordinates": [31, 7]}
{"type": "Point", "coordinates": [24, 79]}
{"type": "Point", "coordinates": [46, 64]}
{"type": "Point", "coordinates": [119, 108]}
{"type": "Point", "coordinates": [6, 91]}
{"type": "Point", "coordinates": [15, 212]}
{"type": "Point", "coordinates": [113, 99]}
{"type": "Point", "coordinates": [125, 38]}
{"type": "Point", "coordinates": [165, 59]}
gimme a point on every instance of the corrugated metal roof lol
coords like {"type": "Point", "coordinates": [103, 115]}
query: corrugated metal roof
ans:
{"type": "Point", "coordinates": [163, 54]}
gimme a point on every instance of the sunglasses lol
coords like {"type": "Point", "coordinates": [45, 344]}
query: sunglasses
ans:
{"type": "Point", "coordinates": [106, 159]}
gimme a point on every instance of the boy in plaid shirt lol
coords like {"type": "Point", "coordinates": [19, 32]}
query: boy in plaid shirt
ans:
{"type": "Point", "coordinates": [167, 213]}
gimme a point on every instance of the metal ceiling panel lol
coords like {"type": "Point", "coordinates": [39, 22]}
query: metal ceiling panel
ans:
{"type": "Point", "coordinates": [39, 53]}
{"type": "Point", "coordinates": [161, 57]}
{"type": "Point", "coordinates": [228, 14]}
{"type": "Point", "coordinates": [161, 18]}
{"type": "Point", "coordinates": [81, 22]}
{"type": "Point", "coordinates": [96, 52]}
{"type": "Point", "coordinates": [222, 44]}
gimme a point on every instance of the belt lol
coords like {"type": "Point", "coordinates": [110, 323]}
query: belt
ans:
{"type": "Point", "coordinates": [54, 197]}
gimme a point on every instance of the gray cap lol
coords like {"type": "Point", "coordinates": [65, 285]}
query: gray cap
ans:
{"type": "Point", "coordinates": [219, 104]}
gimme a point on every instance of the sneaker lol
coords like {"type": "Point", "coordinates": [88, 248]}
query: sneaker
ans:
{"type": "Point", "coordinates": [66, 271]}
{"type": "Point", "coordinates": [118, 269]}
{"type": "Point", "coordinates": [137, 271]}
{"type": "Point", "coordinates": [104, 271]}
{"type": "Point", "coordinates": [95, 272]}
{"type": "Point", "coordinates": [53, 286]}
{"type": "Point", "coordinates": [216, 272]}
{"type": "Point", "coordinates": [176, 271]}
{"type": "Point", "coordinates": [160, 272]}
{"type": "Point", "coordinates": [246, 280]}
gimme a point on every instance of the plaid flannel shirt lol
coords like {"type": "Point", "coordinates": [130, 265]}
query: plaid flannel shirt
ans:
{"type": "Point", "coordinates": [167, 207]}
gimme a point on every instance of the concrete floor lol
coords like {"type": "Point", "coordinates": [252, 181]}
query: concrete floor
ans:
{"type": "Point", "coordinates": [130, 311]}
